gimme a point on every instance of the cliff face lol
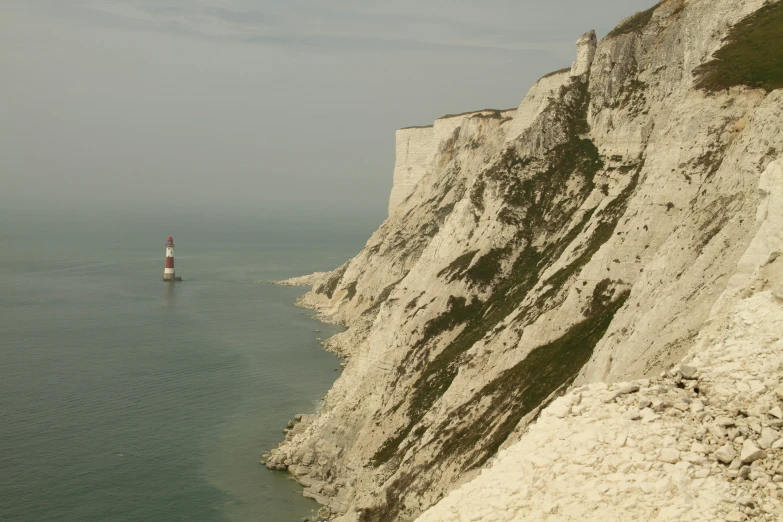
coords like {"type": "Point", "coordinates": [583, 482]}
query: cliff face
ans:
{"type": "Point", "coordinates": [417, 147]}
{"type": "Point", "coordinates": [584, 237]}
{"type": "Point", "coordinates": [701, 441]}
{"type": "Point", "coordinates": [414, 153]}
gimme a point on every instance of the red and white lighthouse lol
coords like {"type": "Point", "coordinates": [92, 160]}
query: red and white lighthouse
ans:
{"type": "Point", "coordinates": [168, 272]}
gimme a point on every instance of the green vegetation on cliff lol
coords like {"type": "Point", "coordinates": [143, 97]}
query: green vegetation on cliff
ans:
{"type": "Point", "coordinates": [525, 386]}
{"type": "Point", "coordinates": [543, 198]}
{"type": "Point", "coordinates": [752, 55]}
{"type": "Point", "coordinates": [514, 394]}
{"type": "Point", "coordinates": [330, 285]}
{"type": "Point", "coordinates": [541, 208]}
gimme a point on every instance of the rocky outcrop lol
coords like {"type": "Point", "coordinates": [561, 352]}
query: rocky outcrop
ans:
{"type": "Point", "coordinates": [306, 280]}
{"type": "Point", "coordinates": [414, 152]}
{"type": "Point", "coordinates": [586, 237]}
{"type": "Point", "coordinates": [417, 147]}
{"type": "Point", "coordinates": [585, 53]}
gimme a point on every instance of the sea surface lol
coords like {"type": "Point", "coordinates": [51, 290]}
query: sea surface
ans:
{"type": "Point", "coordinates": [124, 398]}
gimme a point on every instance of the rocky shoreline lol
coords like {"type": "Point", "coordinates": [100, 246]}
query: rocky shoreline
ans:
{"type": "Point", "coordinates": [305, 280]}
{"type": "Point", "coordinates": [319, 488]}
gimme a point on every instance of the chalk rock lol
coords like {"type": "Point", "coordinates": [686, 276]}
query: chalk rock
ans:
{"type": "Point", "coordinates": [560, 410]}
{"type": "Point", "coordinates": [670, 455]}
{"type": "Point", "coordinates": [622, 389]}
{"type": "Point", "coordinates": [688, 372]}
{"type": "Point", "coordinates": [736, 516]}
{"type": "Point", "coordinates": [725, 454]}
{"type": "Point", "coordinates": [585, 48]}
{"type": "Point", "coordinates": [653, 219]}
{"type": "Point", "coordinates": [693, 458]}
{"type": "Point", "coordinates": [768, 438]}
{"type": "Point", "coordinates": [699, 448]}
{"type": "Point", "coordinates": [718, 432]}
{"type": "Point", "coordinates": [750, 452]}
{"type": "Point", "coordinates": [626, 388]}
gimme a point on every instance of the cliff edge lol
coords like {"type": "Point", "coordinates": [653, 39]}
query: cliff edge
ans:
{"type": "Point", "coordinates": [590, 236]}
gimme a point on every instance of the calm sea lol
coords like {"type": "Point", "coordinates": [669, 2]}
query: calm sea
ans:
{"type": "Point", "coordinates": [125, 398]}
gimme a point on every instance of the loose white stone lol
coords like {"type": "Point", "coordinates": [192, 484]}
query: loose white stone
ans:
{"type": "Point", "coordinates": [750, 452]}
{"type": "Point", "coordinates": [560, 411]}
{"type": "Point", "coordinates": [687, 371]}
{"type": "Point", "coordinates": [699, 448]}
{"type": "Point", "coordinates": [693, 458]}
{"type": "Point", "coordinates": [669, 455]}
{"type": "Point", "coordinates": [725, 454]}
{"type": "Point", "coordinates": [768, 438]}
{"type": "Point", "coordinates": [718, 432]}
{"type": "Point", "coordinates": [540, 461]}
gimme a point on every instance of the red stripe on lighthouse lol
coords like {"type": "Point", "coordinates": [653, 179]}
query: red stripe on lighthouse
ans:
{"type": "Point", "coordinates": [169, 262]}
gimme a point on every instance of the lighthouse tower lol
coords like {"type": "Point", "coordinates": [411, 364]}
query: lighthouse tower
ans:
{"type": "Point", "coordinates": [168, 272]}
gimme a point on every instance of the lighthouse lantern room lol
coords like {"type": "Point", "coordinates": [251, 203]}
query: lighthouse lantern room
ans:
{"type": "Point", "coordinates": [168, 272]}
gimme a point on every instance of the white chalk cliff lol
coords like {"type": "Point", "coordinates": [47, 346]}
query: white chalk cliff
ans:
{"type": "Point", "coordinates": [623, 217]}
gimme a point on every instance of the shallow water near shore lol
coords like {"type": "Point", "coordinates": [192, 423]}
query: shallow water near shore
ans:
{"type": "Point", "coordinates": [126, 398]}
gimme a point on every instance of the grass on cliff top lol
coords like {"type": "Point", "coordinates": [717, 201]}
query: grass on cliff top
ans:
{"type": "Point", "coordinates": [752, 56]}
{"type": "Point", "coordinates": [559, 71]}
{"type": "Point", "coordinates": [491, 111]}
{"type": "Point", "coordinates": [636, 23]}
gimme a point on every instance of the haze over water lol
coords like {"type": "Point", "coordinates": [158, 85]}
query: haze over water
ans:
{"type": "Point", "coordinates": [125, 398]}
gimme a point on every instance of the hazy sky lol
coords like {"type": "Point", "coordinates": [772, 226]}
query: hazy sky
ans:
{"type": "Point", "coordinates": [254, 104]}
